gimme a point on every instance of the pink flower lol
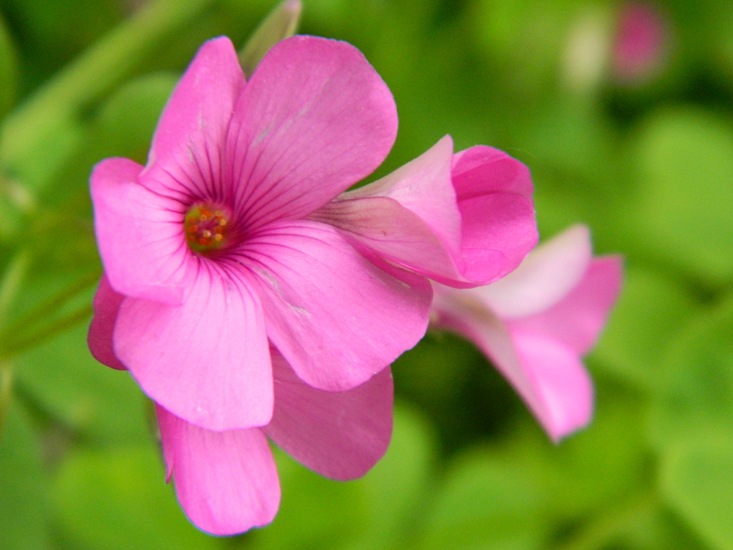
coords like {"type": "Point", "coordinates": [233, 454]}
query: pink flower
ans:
{"type": "Point", "coordinates": [226, 481]}
{"type": "Point", "coordinates": [641, 42]}
{"type": "Point", "coordinates": [212, 254]}
{"type": "Point", "coordinates": [462, 219]}
{"type": "Point", "coordinates": [537, 322]}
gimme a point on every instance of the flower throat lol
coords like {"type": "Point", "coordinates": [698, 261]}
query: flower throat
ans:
{"type": "Point", "coordinates": [206, 228]}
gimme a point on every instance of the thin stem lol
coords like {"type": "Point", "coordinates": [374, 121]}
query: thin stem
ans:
{"type": "Point", "coordinates": [40, 312]}
{"type": "Point", "coordinates": [6, 390]}
{"type": "Point", "coordinates": [11, 284]}
{"type": "Point", "coordinates": [66, 322]}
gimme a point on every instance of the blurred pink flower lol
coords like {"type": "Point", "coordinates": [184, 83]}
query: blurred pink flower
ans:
{"type": "Point", "coordinates": [212, 255]}
{"type": "Point", "coordinates": [226, 481]}
{"type": "Point", "coordinates": [537, 322]}
{"type": "Point", "coordinates": [641, 42]}
{"type": "Point", "coordinates": [463, 219]}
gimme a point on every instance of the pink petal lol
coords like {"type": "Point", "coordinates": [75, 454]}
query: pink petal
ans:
{"type": "Point", "coordinates": [340, 435]}
{"type": "Point", "coordinates": [226, 481]}
{"type": "Point", "coordinates": [409, 217]}
{"type": "Point", "coordinates": [207, 360]}
{"type": "Point", "coordinates": [314, 119]}
{"type": "Point", "coordinates": [562, 392]}
{"type": "Point", "coordinates": [461, 220]}
{"type": "Point", "coordinates": [424, 187]}
{"type": "Point", "coordinates": [139, 234]}
{"type": "Point", "coordinates": [336, 317]}
{"type": "Point", "coordinates": [393, 232]}
{"type": "Point", "coordinates": [577, 320]}
{"type": "Point", "coordinates": [106, 305]}
{"type": "Point", "coordinates": [186, 152]}
{"type": "Point", "coordinates": [498, 227]}
{"type": "Point", "coordinates": [545, 277]}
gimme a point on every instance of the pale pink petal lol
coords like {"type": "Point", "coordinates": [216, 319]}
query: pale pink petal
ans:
{"type": "Point", "coordinates": [314, 119]}
{"type": "Point", "coordinates": [340, 435]}
{"type": "Point", "coordinates": [410, 217]}
{"type": "Point", "coordinates": [336, 317]}
{"type": "Point", "coordinates": [226, 481]}
{"type": "Point", "coordinates": [106, 305]}
{"type": "Point", "coordinates": [424, 187]}
{"type": "Point", "coordinates": [577, 320]}
{"type": "Point", "coordinates": [393, 232]}
{"type": "Point", "coordinates": [545, 277]}
{"type": "Point", "coordinates": [185, 154]}
{"type": "Point", "coordinates": [498, 228]}
{"type": "Point", "coordinates": [207, 360]}
{"type": "Point", "coordinates": [139, 234]}
{"type": "Point", "coordinates": [562, 392]}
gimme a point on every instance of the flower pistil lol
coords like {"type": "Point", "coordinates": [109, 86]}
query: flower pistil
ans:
{"type": "Point", "coordinates": [206, 228]}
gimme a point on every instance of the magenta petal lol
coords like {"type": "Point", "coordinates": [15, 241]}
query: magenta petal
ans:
{"type": "Point", "coordinates": [424, 187]}
{"type": "Point", "coordinates": [498, 228]}
{"type": "Point", "coordinates": [139, 234]}
{"type": "Point", "coordinates": [393, 232]}
{"type": "Point", "coordinates": [226, 481]}
{"type": "Point", "coordinates": [185, 156]}
{"type": "Point", "coordinates": [410, 217]}
{"type": "Point", "coordinates": [336, 317]}
{"type": "Point", "coordinates": [577, 320]}
{"type": "Point", "coordinates": [561, 395]}
{"type": "Point", "coordinates": [207, 360]}
{"type": "Point", "coordinates": [545, 277]}
{"type": "Point", "coordinates": [106, 305]}
{"type": "Point", "coordinates": [314, 119]}
{"type": "Point", "coordinates": [340, 435]}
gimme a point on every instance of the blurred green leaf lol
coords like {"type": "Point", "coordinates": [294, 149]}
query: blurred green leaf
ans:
{"type": "Point", "coordinates": [95, 401]}
{"type": "Point", "coordinates": [601, 466]}
{"type": "Point", "coordinates": [315, 512]}
{"type": "Point", "coordinates": [486, 501]}
{"type": "Point", "coordinates": [695, 386]}
{"type": "Point", "coordinates": [651, 311]}
{"type": "Point", "coordinates": [24, 486]}
{"type": "Point", "coordinates": [696, 480]}
{"type": "Point", "coordinates": [123, 127]}
{"type": "Point", "coordinates": [399, 484]}
{"type": "Point", "coordinates": [118, 498]}
{"type": "Point", "coordinates": [126, 122]}
{"type": "Point", "coordinates": [685, 162]}
{"type": "Point", "coordinates": [377, 511]}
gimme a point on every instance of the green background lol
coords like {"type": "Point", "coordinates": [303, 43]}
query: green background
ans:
{"type": "Point", "coordinates": [647, 165]}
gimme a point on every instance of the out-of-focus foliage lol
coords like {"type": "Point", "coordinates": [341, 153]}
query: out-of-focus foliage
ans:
{"type": "Point", "coordinates": [648, 164]}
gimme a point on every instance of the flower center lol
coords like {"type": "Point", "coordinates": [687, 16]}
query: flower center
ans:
{"type": "Point", "coordinates": [206, 228]}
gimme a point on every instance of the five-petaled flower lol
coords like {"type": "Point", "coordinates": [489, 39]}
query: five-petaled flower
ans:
{"type": "Point", "coordinates": [537, 322]}
{"type": "Point", "coordinates": [248, 294]}
{"type": "Point", "coordinates": [211, 247]}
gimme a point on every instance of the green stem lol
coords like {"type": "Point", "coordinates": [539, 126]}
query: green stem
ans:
{"type": "Point", "coordinates": [19, 346]}
{"type": "Point", "coordinates": [11, 284]}
{"type": "Point", "coordinates": [55, 302]}
{"type": "Point", "coordinates": [93, 74]}
{"type": "Point", "coordinates": [6, 389]}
